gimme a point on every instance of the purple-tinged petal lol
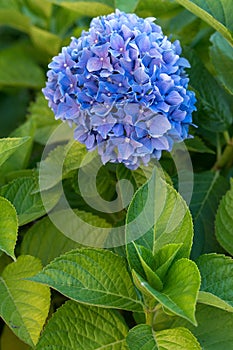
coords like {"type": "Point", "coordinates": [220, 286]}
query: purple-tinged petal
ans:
{"type": "Point", "coordinates": [106, 64]}
{"type": "Point", "coordinates": [174, 98]}
{"type": "Point", "coordinates": [125, 149]}
{"type": "Point", "coordinates": [178, 115]}
{"type": "Point", "coordinates": [143, 43]}
{"type": "Point", "coordinates": [162, 106]}
{"type": "Point", "coordinates": [90, 141]}
{"type": "Point", "coordinates": [117, 42]}
{"type": "Point", "coordinates": [183, 62]}
{"type": "Point", "coordinates": [140, 76]}
{"type": "Point", "coordinates": [158, 126]}
{"type": "Point", "coordinates": [104, 129]}
{"type": "Point", "coordinates": [101, 50]}
{"type": "Point", "coordinates": [94, 64]}
{"type": "Point", "coordinates": [160, 143]}
{"type": "Point", "coordinates": [127, 32]}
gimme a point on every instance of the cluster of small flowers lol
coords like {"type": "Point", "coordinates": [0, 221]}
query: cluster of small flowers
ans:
{"type": "Point", "coordinates": [123, 83]}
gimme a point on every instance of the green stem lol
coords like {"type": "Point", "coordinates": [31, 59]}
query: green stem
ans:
{"type": "Point", "coordinates": [227, 136]}
{"type": "Point", "coordinates": [219, 148]}
{"type": "Point", "coordinates": [226, 158]}
{"type": "Point", "coordinates": [149, 317]}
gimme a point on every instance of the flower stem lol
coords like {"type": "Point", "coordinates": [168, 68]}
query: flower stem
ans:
{"type": "Point", "coordinates": [225, 160]}
{"type": "Point", "coordinates": [219, 148]}
{"type": "Point", "coordinates": [227, 136]}
{"type": "Point", "coordinates": [149, 318]}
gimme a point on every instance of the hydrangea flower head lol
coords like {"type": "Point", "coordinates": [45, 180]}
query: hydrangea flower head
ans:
{"type": "Point", "coordinates": [123, 84]}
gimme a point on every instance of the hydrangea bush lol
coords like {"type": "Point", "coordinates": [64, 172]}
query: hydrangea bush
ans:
{"type": "Point", "coordinates": [98, 250]}
{"type": "Point", "coordinates": [123, 84]}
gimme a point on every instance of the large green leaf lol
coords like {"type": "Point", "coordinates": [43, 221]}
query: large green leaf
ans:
{"type": "Point", "coordinates": [20, 158]}
{"type": "Point", "coordinates": [157, 8]}
{"type": "Point", "coordinates": [26, 73]}
{"type": "Point", "coordinates": [8, 227]}
{"type": "Point", "coordinates": [75, 326]}
{"type": "Point", "coordinates": [214, 330]}
{"type": "Point", "coordinates": [215, 13]}
{"type": "Point", "coordinates": [47, 42]}
{"type": "Point", "coordinates": [43, 235]}
{"type": "Point", "coordinates": [142, 337]}
{"type": "Point", "coordinates": [221, 53]}
{"type": "Point", "coordinates": [28, 205]}
{"type": "Point", "coordinates": [14, 19]}
{"type": "Point", "coordinates": [214, 111]}
{"type": "Point", "coordinates": [24, 304]}
{"type": "Point", "coordinates": [10, 145]}
{"type": "Point", "coordinates": [224, 221]}
{"type": "Point", "coordinates": [197, 145]}
{"type": "Point", "coordinates": [180, 291]}
{"type": "Point", "coordinates": [88, 276]}
{"type": "Point", "coordinates": [91, 8]}
{"type": "Point", "coordinates": [43, 118]}
{"type": "Point", "coordinates": [216, 282]}
{"type": "Point", "coordinates": [158, 216]}
{"type": "Point", "coordinates": [127, 6]}
{"type": "Point", "coordinates": [60, 162]}
{"type": "Point", "coordinates": [208, 189]}
{"type": "Point", "coordinates": [165, 257]}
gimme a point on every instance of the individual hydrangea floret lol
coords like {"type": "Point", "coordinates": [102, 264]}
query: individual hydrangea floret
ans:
{"type": "Point", "coordinates": [123, 84]}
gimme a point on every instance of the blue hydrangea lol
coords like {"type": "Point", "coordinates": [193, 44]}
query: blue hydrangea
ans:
{"type": "Point", "coordinates": [123, 84]}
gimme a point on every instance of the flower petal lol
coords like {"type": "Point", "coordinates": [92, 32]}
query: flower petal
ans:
{"type": "Point", "coordinates": [94, 64]}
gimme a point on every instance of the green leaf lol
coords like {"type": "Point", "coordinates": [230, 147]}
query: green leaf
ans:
{"type": "Point", "coordinates": [26, 73]}
{"type": "Point", "coordinates": [87, 276]}
{"type": "Point", "coordinates": [197, 145]}
{"type": "Point", "coordinates": [216, 285]}
{"type": "Point", "coordinates": [45, 41]}
{"type": "Point", "coordinates": [221, 53]}
{"type": "Point", "coordinates": [43, 118]}
{"type": "Point", "coordinates": [10, 145]}
{"type": "Point", "coordinates": [37, 7]}
{"type": "Point", "coordinates": [28, 205]}
{"type": "Point", "coordinates": [214, 112]}
{"type": "Point", "coordinates": [216, 13]}
{"type": "Point", "coordinates": [207, 192]}
{"type": "Point", "coordinates": [142, 337]}
{"type": "Point", "coordinates": [224, 221]}
{"type": "Point", "coordinates": [128, 6]}
{"type": "Point", "coordinates": [9, 341]}
{"type": "Point", "coordinates": [4, 261]}
{"type": "Point", "coordinates": [147, 269]}
{"type": "Point", "coordinates": [180, 291]}
{"type": "Point", "coordinates": [90, 8]}
{"type": "Point", "coordinates": [214, 330]}
{"type": "Point", "coordinates": [8, 227]}
{"type": "Point", "coordinates": [10, 4]}
{"type": "Point", "coordinates": [176, 339]}
{"type": "Point", "coordinates": [43, 235]}
{"type": "Point", "coordinates": [143, 173]}
{"type": "Point", "coordinates": [165, 257]}
{"type": "Point", "coordinates": [20, 159]}
{"type": "Point", "coordinates": [60, 162]}
{"type": "Point", "coordinates": [84, 327]}
{"type": "Point", "coordinates": [157, 216]}
{"type": "Point", "coordinates": [24, 304]}
{"type": "Point", "coordinates": [127, 184]}
{"type": "Point", "coordinates": [14, 19]}
{"type": "Point", "coordinates": [159, 8]}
